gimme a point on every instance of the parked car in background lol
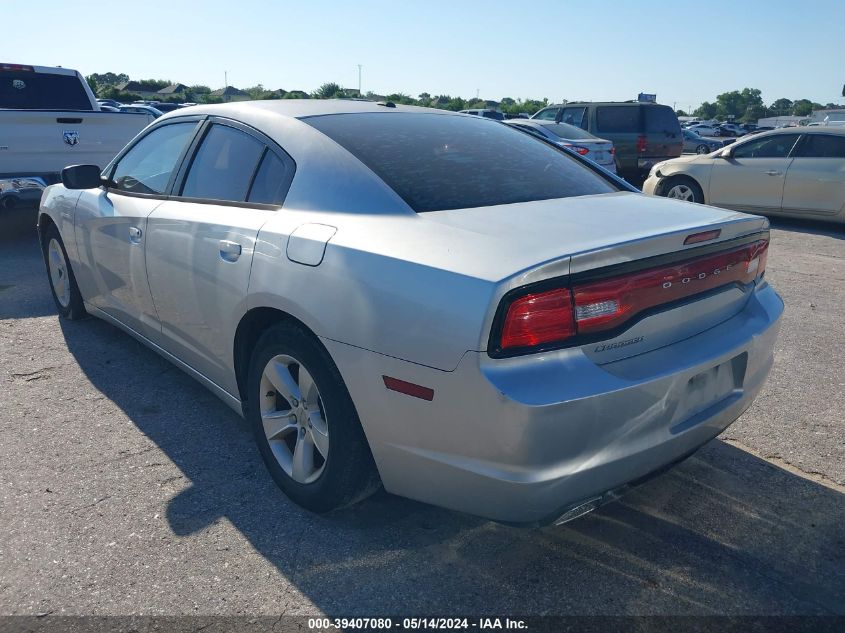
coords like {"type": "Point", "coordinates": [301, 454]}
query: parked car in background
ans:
{"type": "Point", "coordinates": [731, 129]}
{"type": "Point", "coordinates": [642, 133]}
{"type": "Point", "coordinates": [696, 144]}
{"type": "Point", "coordinates": [165, 107]}
{"type": "Point", "coordinates": [107, 108]}
{"type": "Point", "coordinates": [749, 127]}
{"type": "Point", "coordinates": [798, 172]}
{"type": "Point", "coordinates": [484, 112]}
{"type": "Point", "coordinates": [704, 129]}
{"type": "Point", "coordinates": [598, 150]}
{"type": "Point", "coordinates": [49, 119]}
{"type": "Point", "coordinates": [515, 339]}
{"type": "Point", "coordinates": [15, 192]}
{"type": "Point", "coordinates": [109, 102]}
{"type": "Point", "coordinates": [138, 108]}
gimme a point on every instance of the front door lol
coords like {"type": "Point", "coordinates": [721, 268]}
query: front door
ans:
{"type": "Point", "coordinates": [111, 226]}
{"type": "Point", "coordinates": [753, 176]}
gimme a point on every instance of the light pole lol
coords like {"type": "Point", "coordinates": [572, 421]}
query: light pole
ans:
{"type": "Point", "coordinates": [359, 80]}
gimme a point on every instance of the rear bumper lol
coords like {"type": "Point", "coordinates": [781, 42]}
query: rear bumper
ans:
{"type": "Point", "coordinates": [523, 440]}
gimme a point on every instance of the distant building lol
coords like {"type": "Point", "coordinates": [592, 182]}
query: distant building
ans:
{"type": "Point", "coordinates": [135, 87]}
{"type": "Point", "coordinates": [230, 93]}
{"type": "Point", "coordinates": [782, 121]}
{"type": "Point", "coordinates": [822, 116]}
{"type": "Point", "coordinates": [173, 90]}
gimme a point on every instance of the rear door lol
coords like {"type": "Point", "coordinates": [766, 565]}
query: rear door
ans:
{"type": "Point", "coordinates": [815, 180]}
{"type": "Point", "coordinates": [620, 124]}
{"type": "Point", "coordinates": [200, 243]}
{"type": "Point", "coordinates": [752, 178]}
{"type": "Point", "coordinates": [663, 132]}
{"type": "Point", "coordinates": [111, 226]}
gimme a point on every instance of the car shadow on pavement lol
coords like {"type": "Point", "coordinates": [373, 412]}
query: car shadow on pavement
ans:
{"type": "Point", "coordinates": [724, 532]}
{"type": "Point", "coordinates": [811, 227]}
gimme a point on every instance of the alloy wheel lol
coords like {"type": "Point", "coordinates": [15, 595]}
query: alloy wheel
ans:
{"type": "Point", "coordinates": [58, 272]}
{"type": "Point", "coordinates": [681, 192]}
{"type": "Point", "coordinates": [294, 419]}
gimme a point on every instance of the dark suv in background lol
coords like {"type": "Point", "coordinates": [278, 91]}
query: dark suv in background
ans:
{"type": "Point", "coordinates": [642, 133]}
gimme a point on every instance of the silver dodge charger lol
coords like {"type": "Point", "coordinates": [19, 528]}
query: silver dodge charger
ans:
{"type": "Point", "coordinates": [436, 303]}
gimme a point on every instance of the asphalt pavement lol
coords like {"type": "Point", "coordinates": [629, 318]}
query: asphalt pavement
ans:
{"type": "Point", "coordinates": [127, 488]}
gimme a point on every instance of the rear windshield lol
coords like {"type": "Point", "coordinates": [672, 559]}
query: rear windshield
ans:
{"type": "Point", "coordinates": [661, 119]}
{"type": "Point", "coordinates": [562, 130]}
{"type": "Point", "coordinates": [24, 90]}
{"type": "Point", "coordinates": [437, 162]}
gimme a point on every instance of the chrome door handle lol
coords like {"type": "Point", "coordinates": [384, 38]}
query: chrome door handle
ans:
{"type": "Point", "coordinates": [229, 251]}
{"type": "Point", "coordinates": [135, 235]}
{"type": "Point", "coordinates": [773, 172]}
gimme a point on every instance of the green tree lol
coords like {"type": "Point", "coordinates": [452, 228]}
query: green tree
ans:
{"type": "Point", "coordinates": [328, 91]}
{"type": "Point", "coordinates": [780, 107]}
{"type": "Point", "coordinates": [401, 98]}
{"type": "Point", "coordinates": [706, 111]}
{"type": "Point", "coordinates": [680, 113]}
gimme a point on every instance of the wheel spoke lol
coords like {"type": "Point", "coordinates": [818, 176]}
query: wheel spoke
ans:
{"type": "Point", "coordinates": [277, 424]}
{"type": "Point", "coordinates": [321, 441]}
{"type": "Point", "coordinates": [303, 458]}
{"type": "Point", "coordinates": [280, 377]}
{"type": "Point", "coordinates": [307, 388]}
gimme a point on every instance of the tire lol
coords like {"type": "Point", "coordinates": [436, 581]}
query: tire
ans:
{"type": "Point", "coordinates": [319, 457]}
{"type": "Point", "coordinates": [60, 275]}
{"type": "Point", "coordinates": [702, 149]}
{"type": "Point", "coordinates": [9, 202]}
{"type": "Point", "coordinates": [682, 188]}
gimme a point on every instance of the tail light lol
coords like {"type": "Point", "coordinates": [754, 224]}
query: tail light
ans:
{"type": "Point", "coordinates": [577, 148]}
{"type": "Point", "coordinates": [17, 68]}
{"type": "Point", "coordinates": [542, 320]}
{"type": "Point", "coordinates": [613, 151]}
{"type": "Point", "coordinates": [642, 144]}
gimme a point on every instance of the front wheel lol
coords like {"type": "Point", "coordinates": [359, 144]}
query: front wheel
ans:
{"type": "Point", "coordinates": [305, 424]}
{"type": "Point", "coordinates": [681, 188]}
{"type": "Point", "coordinates": [702, 149]}
{"type": "Point", "coordinates": [63, 286]}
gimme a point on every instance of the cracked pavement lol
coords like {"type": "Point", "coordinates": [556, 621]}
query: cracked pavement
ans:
{"type": "Point", "coordinates": [126, 488]}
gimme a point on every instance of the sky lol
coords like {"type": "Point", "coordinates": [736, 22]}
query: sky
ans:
{"type": "Point", "coordinates": [685, 52]}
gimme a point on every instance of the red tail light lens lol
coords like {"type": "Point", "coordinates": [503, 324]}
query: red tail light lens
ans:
{"type": "Point", "coordinates": [613, 151]}
{"type": "Point", "coordinates": [537, 319]}
{"type": "Point", "coordinates": [577, 148]}
{"type": "Point", "coordinates": [642, 145]}
{"type": "Point", "coordinates": [542, 318]}
{"type": "Point", "coordinates": [606, 304]}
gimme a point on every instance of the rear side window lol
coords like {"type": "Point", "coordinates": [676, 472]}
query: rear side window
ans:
{"type": "Point", "coordinates": [271, 181]}
{"type": "Point", "coordinates": [617, 119]}
{"type": "Point", "coordinates": [148, 165]}
{"type": "Point", "coordinates": [42, 91]}
{"type": "Point", "coordinates": [223, 166]}
{"type": "Point", "coordinates": [575, 116]}
{"type": "Point", "coordinates": [661, 119]}
{"type": "Point", "coordinates": [822, 146]}
{"type": "Point", "coordinates": [437, 162]}
{"type": "Point", "coordinates": [777, 146]}
{"type": "Point", "coordinates": [562, 130]}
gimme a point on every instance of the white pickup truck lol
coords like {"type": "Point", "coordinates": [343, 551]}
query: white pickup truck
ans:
{"type": "Point", "coordinates": [49, 119]}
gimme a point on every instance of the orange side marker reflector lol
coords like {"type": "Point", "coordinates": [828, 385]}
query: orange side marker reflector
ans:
{"type": "Point", "coordinates": [408, 388]}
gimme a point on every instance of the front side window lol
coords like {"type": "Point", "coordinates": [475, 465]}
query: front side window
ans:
{"type": "Point", "coordinates": [777, 146]}
{"type": "Point", "coordinates": [223, 166]}
{"type": "Point", "coordinates": [437, 162]}
{"type": "Point", "coordinates": [822, 146]}
{"type": "Point", "coordinates": [548, 114]}
{"type": "Point", "coordinates": [148, 165]}
{"type": "Point", "coordinates": [617, 119]}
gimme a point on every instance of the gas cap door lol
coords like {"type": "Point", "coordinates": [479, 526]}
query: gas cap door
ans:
{"type": "Point", "coordinates": [307, 243]}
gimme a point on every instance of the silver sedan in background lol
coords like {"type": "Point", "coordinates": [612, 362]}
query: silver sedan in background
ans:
{"type": "Point", "coordinates": [598, 150]}
{"type": "Point", "coordinates": [420, 299]}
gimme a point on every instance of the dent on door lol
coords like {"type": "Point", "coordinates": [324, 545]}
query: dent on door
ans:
{"type": "Point", "coordinates": [307, 243]}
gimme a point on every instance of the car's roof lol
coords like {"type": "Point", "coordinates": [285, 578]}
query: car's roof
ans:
{"type": "Point", "coordinates": [301, 108]}
{"type": "Point", "coordinates": [803, 129]}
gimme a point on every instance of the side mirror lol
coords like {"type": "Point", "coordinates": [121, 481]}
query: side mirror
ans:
{"type": "Point", "coordinates": [725, 153]}
{"type": "Point", "coordinates": [81, 177]}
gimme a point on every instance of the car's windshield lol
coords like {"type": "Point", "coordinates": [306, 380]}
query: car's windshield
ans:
{"type": "Point", "coordinates": [437, 162]}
